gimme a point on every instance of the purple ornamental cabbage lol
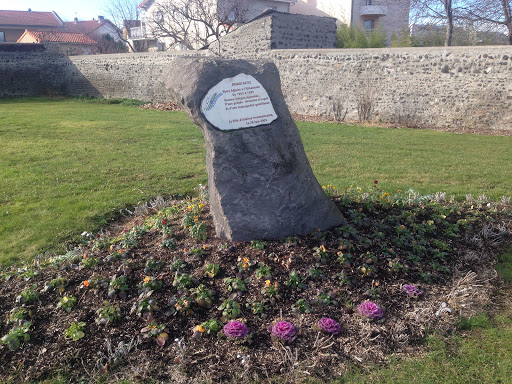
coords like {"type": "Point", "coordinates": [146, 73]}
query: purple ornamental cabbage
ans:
{"type": "Point", "coordinates": [411, 290]}
{"type": "Point", "coordinates": [235, 329]}
{"type": "Point", "coordinates": [329, 326]}
{"type": "Point", "coordinates": [370, 310]}
{"type": "Point", "coordinates": [284, 330]}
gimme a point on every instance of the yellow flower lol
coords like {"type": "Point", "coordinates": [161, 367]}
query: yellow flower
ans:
{"type": "Point", "coordinates": [146, 279]}
{"type": "Point", "coordinates": [85, 255]}
{"type": "Point", "coordinates": [112, 247]}
{"type": "Point", "coordinates": [86, 283]}
{"type": "Point", "coordinates": [200, 328]}
{"type": "Point", "coordinates": [204, 246]}
{"type": "Point", "coordinates": [267, 283]}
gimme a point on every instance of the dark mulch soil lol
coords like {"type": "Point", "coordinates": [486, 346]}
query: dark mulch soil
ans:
{"type": "Point", "coordinates": [447, 251]}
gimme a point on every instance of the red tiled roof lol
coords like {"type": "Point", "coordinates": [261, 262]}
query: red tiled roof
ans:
{"type": "Point", "coordinates": [30, 19]}
{"type": "Point", "coordinates": [85, 27]}
{"type": "Point", "coordinates": [58, 37]}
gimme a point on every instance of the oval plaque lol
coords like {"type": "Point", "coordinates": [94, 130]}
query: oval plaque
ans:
{"type": "Point", "coordinates": [238, 102]}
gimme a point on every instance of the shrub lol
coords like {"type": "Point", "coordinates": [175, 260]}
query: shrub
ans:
{"type": "Point", "coordinates": [353, 37]}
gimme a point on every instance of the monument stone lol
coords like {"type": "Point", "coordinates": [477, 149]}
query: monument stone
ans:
{"type": "Point", "coordinates": [261, 184]}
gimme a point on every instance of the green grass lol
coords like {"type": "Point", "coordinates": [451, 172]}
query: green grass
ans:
{"type": "Point", "coordinates": [68, 164]}
{"type": "Point", "coordinates": [424, 160]}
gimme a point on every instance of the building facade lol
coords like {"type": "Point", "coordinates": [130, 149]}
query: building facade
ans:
{"type": "Point", "coordinates": [156, 30]}
{"type": "Point", "coordinates": [392, 16]}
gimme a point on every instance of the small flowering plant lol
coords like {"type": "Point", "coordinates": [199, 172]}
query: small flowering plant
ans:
{"type": "Point", "coordinates": [284, 330]}
{"type": "Point", "coordinates": [157, 331]}
{"type": "Point", "coordinates": [235, 330]}
{"type": "Point", "coordinates": [66, 303]}
{"type": "Point", "coordinates": [411, 290]}
{"type": "Point", "coordinates": [321, 254]}
{"type": "Point", "coordinates": [150, 283]}
{"type": "Point", "coordinates": [271, 290]}
{"type": "Point", "coordinates": [328, 325]}
{"type": "Point", "coordinates": [370, 310]}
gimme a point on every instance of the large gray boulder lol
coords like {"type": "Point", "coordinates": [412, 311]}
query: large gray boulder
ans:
{"type": "Point", "coordinates": [261, 185]}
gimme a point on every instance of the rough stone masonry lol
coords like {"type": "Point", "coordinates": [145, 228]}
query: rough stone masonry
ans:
{"type": "Point", "coordinates": [260, 182]}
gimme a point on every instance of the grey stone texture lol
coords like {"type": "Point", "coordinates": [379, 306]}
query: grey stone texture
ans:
{"type": "Point", "coordinates": [462, 87]}
{"type": "Point", "coordinates": [277, 30]}
{"type": "Point", "coordinates": [260, 182]}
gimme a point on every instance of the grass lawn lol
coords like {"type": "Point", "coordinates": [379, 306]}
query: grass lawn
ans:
{"type": "Point", "coordinates": [66, 165]}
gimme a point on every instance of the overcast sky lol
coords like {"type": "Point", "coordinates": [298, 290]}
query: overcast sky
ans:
{"type": "Point", "coordinates": [66, 9]}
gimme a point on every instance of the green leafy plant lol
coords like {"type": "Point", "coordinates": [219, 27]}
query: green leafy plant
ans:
{"type": "Point", "coordinates": [60, 283]}
{"type": "Point", "coordinates": [156, 331]}
{"type": "Point", "coordinates": [66, 303]}
{"type": "Point", "coordinates": [118, 285]}
{"type": "Point", "coordinates": [235, 284]}
{"type": "Point", "coordinates": [212, 326]}
{"type": "Point", "coordinates": [183, 280]}
{"type": "Point", "coordinates": [18, 315]}
{"type": "Point", "coordinates": [28, 295]}
{"type": "Point", "coordinates": [197, 252]}
{"type": "Point", "coordinates": [150, 283]}
{"type": "Point", "coordinates": [182, 305]}
{"type": "Point", "coordinates": [89, 262]}
{"type": "Point", "coordinates": [107, 314]}
{"type": "Point", "coordinates": [271, 290]}
{"type": "Point", "coordinates": [153, 264]}
{"type": "Point", "coordinates": [17, 335]}
{"type": "Point", "coordinates": [263, 271]}
{"type": "Point", "coordinates": [145, 304]}
{"type": "Point", "coordinates": [294, 281]}
{"type": "Point", "coordinates": [203, 296]}
{"type": "Point", "coordinates": [301, 306]}
{"type": "Point", "coordinates": [258, 309]}
{"type": "Point", "coordinates": [257, 244]}
{"type": "Point", "coordinates": [75, 331]}
{"type": "Point", "coordinates": [178, 265]}
{"type": "Point", "coordinates": [198, 231]}
{"type": "Point", "coordinates": [230, 310]}
{"type": "Point", "coordinates": [167, 241]}
{"type": "Point", "coordinates": [211, 270]}
{"type": "Point", "coordinates": [321, 254]}
{"type": "Point", "coordinates": [315, 273]}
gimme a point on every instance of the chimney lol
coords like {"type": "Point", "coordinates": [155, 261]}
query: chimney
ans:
{"type": "Point", "coordinates": [76, 20]}
{"type": "Point", "coordinates": [101, 19]}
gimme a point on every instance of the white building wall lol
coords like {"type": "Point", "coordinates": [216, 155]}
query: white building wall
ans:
{"type": "Point", "coordinates": [339, 9]}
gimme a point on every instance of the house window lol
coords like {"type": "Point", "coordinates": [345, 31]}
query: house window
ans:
{"type": "Point", "coordinates": [2, 37]}
{"type": "Point", "coordinates": [369, 25]}
{"type": "Point", "coordinates": [369, 2]}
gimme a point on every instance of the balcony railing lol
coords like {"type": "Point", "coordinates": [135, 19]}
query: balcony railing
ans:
{"type": "Point", "coordinates": [137, 33]}
{"type": "Point", "coordinates": [373, 8]}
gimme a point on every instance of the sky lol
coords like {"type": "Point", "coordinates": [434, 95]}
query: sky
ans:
{"type": "Point", "coordinates": [66, 9]}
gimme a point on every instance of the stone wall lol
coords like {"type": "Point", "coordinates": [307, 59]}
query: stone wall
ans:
{"type": "Point", "coordinates": [277, 30]}
{"type": "Point", "coordinates": [460, 86]}
{"type": "Point", "coordinates": [457, 86]}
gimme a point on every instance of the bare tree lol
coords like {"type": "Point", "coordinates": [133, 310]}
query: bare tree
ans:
{"type": "Point", "coordinates": [490, 14]}
{"type": "Point", "coordinates": [120, 11]}
{"type": "Point", "coordinates": [194, 23]}
{"type": "Point", "coordinates": [435, 12]}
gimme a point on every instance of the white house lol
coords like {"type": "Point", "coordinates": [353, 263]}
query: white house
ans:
{"type": "Point", "coordinates": [389, 15]}
{"type": "Point", "coordinates": [158, 25]}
